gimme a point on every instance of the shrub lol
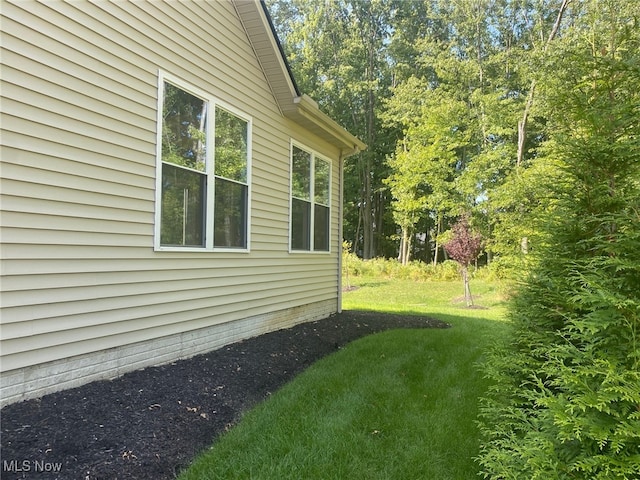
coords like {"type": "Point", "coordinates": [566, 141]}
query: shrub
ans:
{"type": "Point", "coordinates": [566, 397]}
{"type": "Point", "coordinates": [418, 271]}
{"type": "Point", "coordinates": [500, 268]}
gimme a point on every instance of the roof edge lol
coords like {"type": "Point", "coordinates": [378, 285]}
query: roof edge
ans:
{"type": "Point", "coordinates": [274, 32]}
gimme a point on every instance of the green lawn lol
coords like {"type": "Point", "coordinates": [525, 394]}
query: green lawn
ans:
{"type": "Point", "coordinates": [397, 405]}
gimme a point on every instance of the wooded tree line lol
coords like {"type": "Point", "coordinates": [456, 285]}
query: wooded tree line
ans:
{"type": "Point", "coordinates": [523, 116]}
{"type": "Point", "coordinates": [444, 92]}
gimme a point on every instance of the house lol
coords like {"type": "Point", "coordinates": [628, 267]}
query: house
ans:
{"type": "Point", "coordinates": [166, 188]}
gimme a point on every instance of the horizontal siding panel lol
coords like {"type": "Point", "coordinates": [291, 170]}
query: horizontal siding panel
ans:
{"type": "Point", "coordinates": [50, 166]}
{"type": "Point", "coordinates": [85, 83]}
{"type": "Point", "coordinates": [35, 319]}
{"type": "Point", "coordinates": [17, 255]}
{"type": "Point", "coordinates": [271, 171]}
{"type": "Point", "coordinates": [70, 238]}
{"type": "Point", "coordinates": [20, 148]}
{"type": "Point", "coordinates": [74, 259]}
{"type": "Point", "coordinates": [74, 183]}
{"type": "Point", "coordinates": [29, 86]}
{"type": "Point", "coordinates": [53, 134]}
{"type": "Point", "coordinates": [45, 36]}
{"type": "Point", "coordinates": [124, 281]}
{"type": "Point", "coordinates": [42, 209]}
{"type": "Point", "coordinates": [230, 81]}
{"type": "Point", "coordinates": [39, 193]}
{"type": "Point", "coordinates": [231, 43]}
{"type": "Point", "coordinates": [276, 244]}
{"type": "Point", "coordinates": [104, 32]}
{"type": "Point", "coordinates": [88, 76]}
{"type": "Point", "coordinates": [270, 212]}
{"type": "Point", "coordinates": [66, 258]}
{"type": "Point", "coordinates": [72, 328]}
{"type": "Point", "coordinates": [271, 233]}
{"type": "Point", "coordinates": [90, 310]}
{"type": "Point", "coordinates": [51, 352]}
{"type": "Point", "coordinates": [57, 222]}
{"type": "Point", "coordinates": [74, 127]}
{"type": "Point", "coordinates": [208, 287]}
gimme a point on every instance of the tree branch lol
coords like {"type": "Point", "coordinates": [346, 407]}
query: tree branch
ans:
{"type": "Point", "coordinates": [522, 124]}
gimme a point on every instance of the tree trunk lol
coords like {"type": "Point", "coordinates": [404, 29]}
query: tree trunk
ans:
{"type": "Point", "coordinates": [356, 240]}
{"type": "Point", "coordinates": [366, 209]}
{"type": "Point", "coordinates": [345, 267]}
{"type": "Point", "coordinates": [467, 290]}
{"type": "Point", "coordinates": [407, 257]}
{"type": "Point", "coordinates": [522, 124]}
{"type": "Point", "coordinates": [437, 244]}
{"type": "Point", "coordinates": [405, 246]}
{"type": "Point", "coordinates": [369, 211]}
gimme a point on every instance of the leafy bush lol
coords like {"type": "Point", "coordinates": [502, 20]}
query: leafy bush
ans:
{"type": "Point", "coordinates": [390, 268]}
{"type": "Point", "coordinates": [500, 268]}
{"type": "Point", "coordinates": [566, 397]}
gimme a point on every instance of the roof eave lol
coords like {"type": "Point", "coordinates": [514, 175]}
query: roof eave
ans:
{"type": "Point", "coordinates": [325, 127]}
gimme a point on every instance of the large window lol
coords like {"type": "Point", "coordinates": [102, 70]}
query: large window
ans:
{"type": "Point", "coordinates": [310, 200]}
{"type": "Point", "coordinates": [204, 172]}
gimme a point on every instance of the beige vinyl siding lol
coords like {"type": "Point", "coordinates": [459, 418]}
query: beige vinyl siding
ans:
{"type": "Point", "coordinates": [79, 273]}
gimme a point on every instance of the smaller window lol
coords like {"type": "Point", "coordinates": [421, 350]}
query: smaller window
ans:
{"type": "Point", "coordinates": [322, 173]}
{"type": "Point", "coordinates": [310, 201]}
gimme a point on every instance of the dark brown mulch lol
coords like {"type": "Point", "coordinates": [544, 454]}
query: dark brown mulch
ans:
{"type": "Point", "coordinates": [149, 424]}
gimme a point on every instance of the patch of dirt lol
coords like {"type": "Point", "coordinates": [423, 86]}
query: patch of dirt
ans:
{"type": "Point", "coordinates": [350, 288]}
{"type": "Point", "coordinates": [150, 424]}
{"type": "Point", "coordinates": [470, 307]}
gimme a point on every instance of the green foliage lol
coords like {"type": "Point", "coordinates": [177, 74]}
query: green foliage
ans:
{"type": "Point", "coordinates": [436, 88]}
{"type": "Point", "coordinates": [500, 268]}
{"type": "Point", "coordinates": [392, 269]}
{"type": "Point", "coordinates": [424, 165]}
{"type": "Point", "coordinates": [231, 146]}
{"type": "Point", "coordinates": [183, 128]}
{"type": "Point", "coordinates": [566, 398]}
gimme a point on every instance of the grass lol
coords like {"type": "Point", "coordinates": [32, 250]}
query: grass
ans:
{"type": "Point", "coordinates": [397, 405]}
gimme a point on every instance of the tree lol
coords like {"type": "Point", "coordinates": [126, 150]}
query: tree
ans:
{"type": "Point", "coordinates": [468, 58]}
{"type": "Point", "coordinates": [464, 247]}
{"type": "Point", "coordinates": [565, 402]}
{"type": "Point", "coordinates": [426, 162]}
{"type": "Point", "coordinates": [408, 191]}
{"type": "Point", "coordinates": [483, 60]}
{"type": "Point", "coordinates": [337, 51]}
{"type": "Point", "coordinates": [522, 124]}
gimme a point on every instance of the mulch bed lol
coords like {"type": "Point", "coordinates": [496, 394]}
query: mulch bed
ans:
{"type": "Point", "coordinates": [151, 423]}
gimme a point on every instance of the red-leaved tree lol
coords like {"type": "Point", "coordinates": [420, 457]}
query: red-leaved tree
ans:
{"type": "Point", "coordinates": [464, 248]}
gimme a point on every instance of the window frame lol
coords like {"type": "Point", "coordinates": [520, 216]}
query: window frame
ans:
{"type": "Point", "coordinates": [209, 201]}
{"type": "Point", "coordinates": [315, 157]}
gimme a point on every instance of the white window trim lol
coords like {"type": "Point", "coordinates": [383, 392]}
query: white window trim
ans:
{"type": "Point", "coordinates": [314, 155]}
{"type": "Point", "coordinates": [210, 172]}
